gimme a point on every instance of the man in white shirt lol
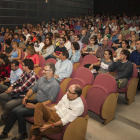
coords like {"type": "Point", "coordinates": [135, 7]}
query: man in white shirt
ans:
{"type": "Point", "coordinates": [68, 43]}
{"type": "Point", "coordinates": [64, 67]}
{"type": "Point", "coordinates": [38, 45]}
{"type": "Point", "coordinates": [133, 28]}
{"type": "Point", "coordinates": [26, 33]}
{"type": "Point", "coordinates": [67, 110]}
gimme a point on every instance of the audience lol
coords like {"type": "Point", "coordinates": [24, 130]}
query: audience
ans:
{"type": "Point", "coordinates": [85, 36]}
{"type": "Point", "coordinates": [16, 37]}
{"type": "Point", "coordinates": [44, 95]}
{"type": "Point", "coordinates": [114, 36]}
{"type": "Point", "coordinates": [26, 33]}
{"type": "Point", "coordinates": [100, 39]}
{"type": "Point", "coordinates": [77, 39]}
{"type": "Point", "coordinates": [22, 44]}
{"type": "Point", "coordinates": [72, 32]}
{"type": "Point", "coordinates": [14, 75]}
{"type": "Point", "coordinates": [55, 40]}
{"type": "Point", "coordinates": [12, 97]}
{"type": "Point", "coordinates": [64, 67]}
{"type": "Point", "coordinates": [74, 52]}
{"type": "Point", "coordinates": [78, 26]}
{"type": "Point", "coordinates": [42, 35]}
{"type": "Point", "coordinates": [123, 68]}
{"type": "Point", "coordinates": [134, 39]}
{"type": "Point", "coordinates": [126, 30]}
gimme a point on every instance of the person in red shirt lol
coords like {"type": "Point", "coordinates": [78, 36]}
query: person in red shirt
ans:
{"type": "Point", "coordinates": [33, 36]}
{"type": "Point", "coordinates": [5, 67]}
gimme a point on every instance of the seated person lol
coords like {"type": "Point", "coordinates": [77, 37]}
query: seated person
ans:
{"type": "Point", "coordinates": [58, 116]}
{"type": "Point", "coordinates": [58, 49]}
{"type": "Point", "coordinates": [38, 45]}
{"type": "Point", "coordinates": [103, 64]}
{"type": "Point", "coordinates": [125, 46]}
{"type": "Point", "coordinates": [107, 34]}
{"type": "Point", "coordinates": [16, 53]}
{"type": "Point", "coordinates": [44, 95]}
{"type": "Point", "coordinates": [118, 43]}
{"type": "Point", "coordinates": [64, 67]}
{"type": "Point", "coordinates": [114, 35]}
{"type": "Point", "coordinates": [48, 48]}
{"type": "Point", "coordinates": [29, 41]}
{"type": "Point", "coordinates": [41, 34]}
{"type": "Point", "coordinates": [103, 48]}
{"type": "Point", "coordinates": [100, 39]}
{"type": "Point", "coordinates": [16, 37]}
{"type": "Point", "coordinates": [74, 53]}
{"type": "Point", "coordinates": [77, 39]}
{"type": "Point", "coordinates": [72, 32]}
{"type": "Point", "coordinates": [22, 43]}
{"type": "Point", "coordinates": [55, 40]}
{"type": "Point", "coordinates": [67, 43]}
{"type": "Point", "coordinates": [14, 75]}
{"type": "Point", "coordinates": [78, 26]}
{"type": "Point", "coordinates": [135, 59]}
{"type": "Point", "coordinates": [12, 97]}
{"type": "Point", "coordinates": [85, 36]}
{"type": "Point", "coordinates": [7, 47]}
{"type": "Point", "coordinates": [31, 54]}
{"type": "Point", "coordinates": [33, 36]}
{"type": "Point", "coordinates": [133, 41]}
{"type": "Point", "coordinates": [126, 30]}
{"type": "Point", "coordinates": [123, 68]}
{"type": "Point", "coordinates": [91, 48]}
{"type": "Point", "coordinates": [5, 68]}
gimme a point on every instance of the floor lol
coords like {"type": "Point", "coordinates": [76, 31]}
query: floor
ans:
{"type": "Point", "coordinates": [125, 126]}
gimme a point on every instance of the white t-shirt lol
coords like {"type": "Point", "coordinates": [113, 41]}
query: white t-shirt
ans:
{"type": "Point", "coordinates": [27, 36]}
{"type": "Point", "coordinates": [38, 47]}
{"type": "Point", "coordinates": [68, 45]}
{"type": "Point", "coordinates": [132, 29]}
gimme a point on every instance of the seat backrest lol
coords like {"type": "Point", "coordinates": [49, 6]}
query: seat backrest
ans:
{"type": "Point", "coordinates": [40, 73]}
{"type": "Point", "coordinates": [2, 48]}
{"type": "Point", "coordinates": [85, 106]}
{"type": "Point", "coordinates": [110, 43]}
{"type": "Point", "coordinates": [127, 36]}
{"type": "Point", "coordinates": [59, 96]}
{"type": "Point", "coordinates": [22, 54]}
{"type": "Point", "coordinates": [107, 81]}
{"type": "Point", "coordinates": [73, 72]}
{"type": "Point", "coordinates": [84, 74]}
{"type": "Point", "coordinates": [81, 59]}
{"type": "Point", "coordinates": [51, 60]}
{"type": "Point", "coordinates": [90, 59]}
{"type": "Point", "coordinates": [42, 61]}
{"type": "Point", "coordinates": [135, 71]}
{"type": "Point", "coordinates": [84, 45]}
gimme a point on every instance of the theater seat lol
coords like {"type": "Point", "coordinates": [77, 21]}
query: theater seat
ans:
{"type": "Point", "coordinates": [102, 97]}
{"type": "Point", "coordinates": [42, 61]}
{"type": "Point", "coordinates": [75, 130]}
{"type": "Point", "coordinates": [130, 90]}
{"type": "Point", "coordinates": [37, 70]}
{"type": "Point", "coordinates": [51, 60]}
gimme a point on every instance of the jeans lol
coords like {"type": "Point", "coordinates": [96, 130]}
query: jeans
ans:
{"type": "Point", "coordinates": [8, 104]}
{"type": "Point", "coordinates": [3, 88]}
{"type": "Point", "coordinates": [19, 113]}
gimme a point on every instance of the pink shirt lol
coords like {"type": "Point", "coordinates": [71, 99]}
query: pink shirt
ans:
{"type": "Point", "coordinates": [34, 57]}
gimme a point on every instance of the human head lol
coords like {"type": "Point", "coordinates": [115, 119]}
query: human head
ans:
{"type": "Point", "coordinates": [125, 26]}
{"type": "Point", "coordinates": [48, 70]}
{"type": "Point", "coordinates": [4, 59]}
{"type": "Point", "coordinates": [108, 54]}
{"type": "Point", "coordinates": [27, 65]}
{"type": "Point", "coordinates": [16, 35]}
{"type": "Point", "coordinates": [10, 36]}
{"type": "Point", "coordinates": [125, 44]}
{"type": "Point", "coordinates": [75, 46]}
{"type": "Point", "coordinates": [15, 44]}
{"type": "Point", "coordinates": [132, 33]}
{"type": "Point", "coordinates": [30, 38]}
{"type": "Point", "coordinates": [83, 32]}
{"type": "Point", "coordinates": [62, 40]}
{"type": "Point", "coordinates": [76, 38]}
{"type": "Point", "coordinates": [31, 50]}
{"type": "Point", "coordinates": [40, 32]}
{"type": "Point", "coordinates": [14, 65]}
{"type": "Point", "coordinates": [26, 31]}
{"type": "Point", "coordinates": [38, 39]}
{"type": "Point", "coordinates": [72, 32]}
{"type": "Point", "coordinates": [22, 38]}
{"type": "Point", "coordinates": [124, 55]}
{"type": "Point", "coordinates": [105, 41]}
{"type": "Point", "coordinates": [48, 42]}
{"type": "Point", "coordinates": [138, 45]}
{"type": "Point", "coordinates": [67, 37]}
{"type": "Point", "coordinates": [7, 42]}
{"type": "Point", "coordinates": [106, 32]}
{"type": "Point", "coordinates": [134, 24]}
{"type": "Point", "coordinates": [64, 55]}
{"type": "Point", "coordinates": [95, 30]}
{"type": "Point", "coordinates": [33, 34]}
{"type": "Point", "coordinates": [121, 36]}
{"type": "Point", "coordinates": [135, 37]}
{"type": "Point", "coordinates": [99, 35]}
{"type": "Point", "coordinates": [93, 40]}
{"type": "Point", "coordinates": [138, 27]}
{"type": "Point", "coordinates": [116, 31]}
{"type": "Point", "coordinates": [73, 92]}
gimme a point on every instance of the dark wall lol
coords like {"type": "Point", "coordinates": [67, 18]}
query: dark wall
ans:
{"type": "Point", "coordinates": [17, 12]}
{"type": "Point", "coordinates": [117, 6]}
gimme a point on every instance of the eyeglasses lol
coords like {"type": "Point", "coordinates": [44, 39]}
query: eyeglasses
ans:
{"type": "Point", "coordinates": [47, 70]}
{"type": "Point", "coordinates": [70, 91]}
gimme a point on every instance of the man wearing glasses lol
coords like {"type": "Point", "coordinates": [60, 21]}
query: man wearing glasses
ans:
{"type": "Point", "coordinates": [47, 89]}
{"type": "Point", "coordinates": [56, 117]}
{"type": "Point", "coordinates": [12, 97]}
{"type": "Point", "coordinates": [123, 68]}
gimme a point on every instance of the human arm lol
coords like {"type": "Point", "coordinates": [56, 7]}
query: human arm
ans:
{"type": "Point", "coordinates": [19, 55]}
{"type": "Point", "coordinates": [50, 50]}
{"type": "Point", "coordinates": [84, 50]}
{"type": "Point", "coordinates": [95, 64]}
{"type": "Point", "coordinates": [76, 56]}
{"type": "Point", "coordinates": [57, 56]}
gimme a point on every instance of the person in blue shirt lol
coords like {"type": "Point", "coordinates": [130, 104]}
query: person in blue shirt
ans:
{"type": "Point", "coordinates": [14, 75]}
{"type": "Point", "coordinates": [74, 52]}
{"type": "Point", "coordinates": [78, 26]}
{"type": "Point", "coordinates": [135, 58]}
{"type": "Point", "coordinates": [16, 37]}
{"type": "Point", "coordinates": [64, 67]}
{"type": "Point", "coordinates": [114, 35]}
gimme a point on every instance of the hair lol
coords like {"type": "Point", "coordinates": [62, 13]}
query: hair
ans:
{"type": "Point", "coordinates": [63, 38]}
{"type": "Point", "coordinates": [34, 33]}
{"type": "Point", "coordinates": [15, 62]}
{"type": "Point", "coordinates": [31, 49]}
{"type": "Point", "coordinates": [16, 34]}
{"type": "Point", "coordinates": [78, 36]}
{"type": "Point", "coordinates": [78, 90]}
{"type": "Point", "coordinates": [110, 53]}
{"type": "Point", "coordinates": [65, 31]}
{"type": "Point", "coordinates": [65, 53]}
{"type": "Point", "coordinates": [72, 31]}
{"type": "Point", "coordinates": [11, 34]}
{"type": "Point", "coordinates": [27, 30]}
{"type": "Point", "coordinates": [127, 43]}
{"type": "Point", "coordinates": [47, 45]}
{"type": "Point", "coordinates": [101, 34]}
{"type": "Point", "coordinates": [137, 37]}
{"type": "Point", "coordinates": [123, 36]}
{"type": "Point", "coordinates": [8, 42]}
{"type": "Point", "coordinates": [4, 57]}
{"type": "Point", "coordinates": [67, 36]}
{"type": "Point", "coordinates": [29, 63]}
{"type": "Point", "coordinates": [24, 37]}
{"type": "Point", "coordinates": [31, 38]}
{"type": "Point", "coordinates": [52, 66]}
{"type": "Point", "coordinates": [16, 43]}
{"type": "Point", "coordinates": [76, 45]}
{"type": "Point", "coordinates": [39, 38]}
{"type": "Point", "coordinates": [126, 53]}
{"type": "Point", "coordinates": [95, 39]}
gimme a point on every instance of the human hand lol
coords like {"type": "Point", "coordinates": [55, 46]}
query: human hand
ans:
{"type": "Point", "coordinates": [45, 127]}
{"type": "Point", "coordinates": [24, 100]}
{"type": "Point", "coordinates": [30, 105]}
{"type": "Point", "coordinates": [6, 80]}
{"type": "Point", "coordinates": [9, 90]}
{"type": "Point", "coordinates": [91, 67]}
